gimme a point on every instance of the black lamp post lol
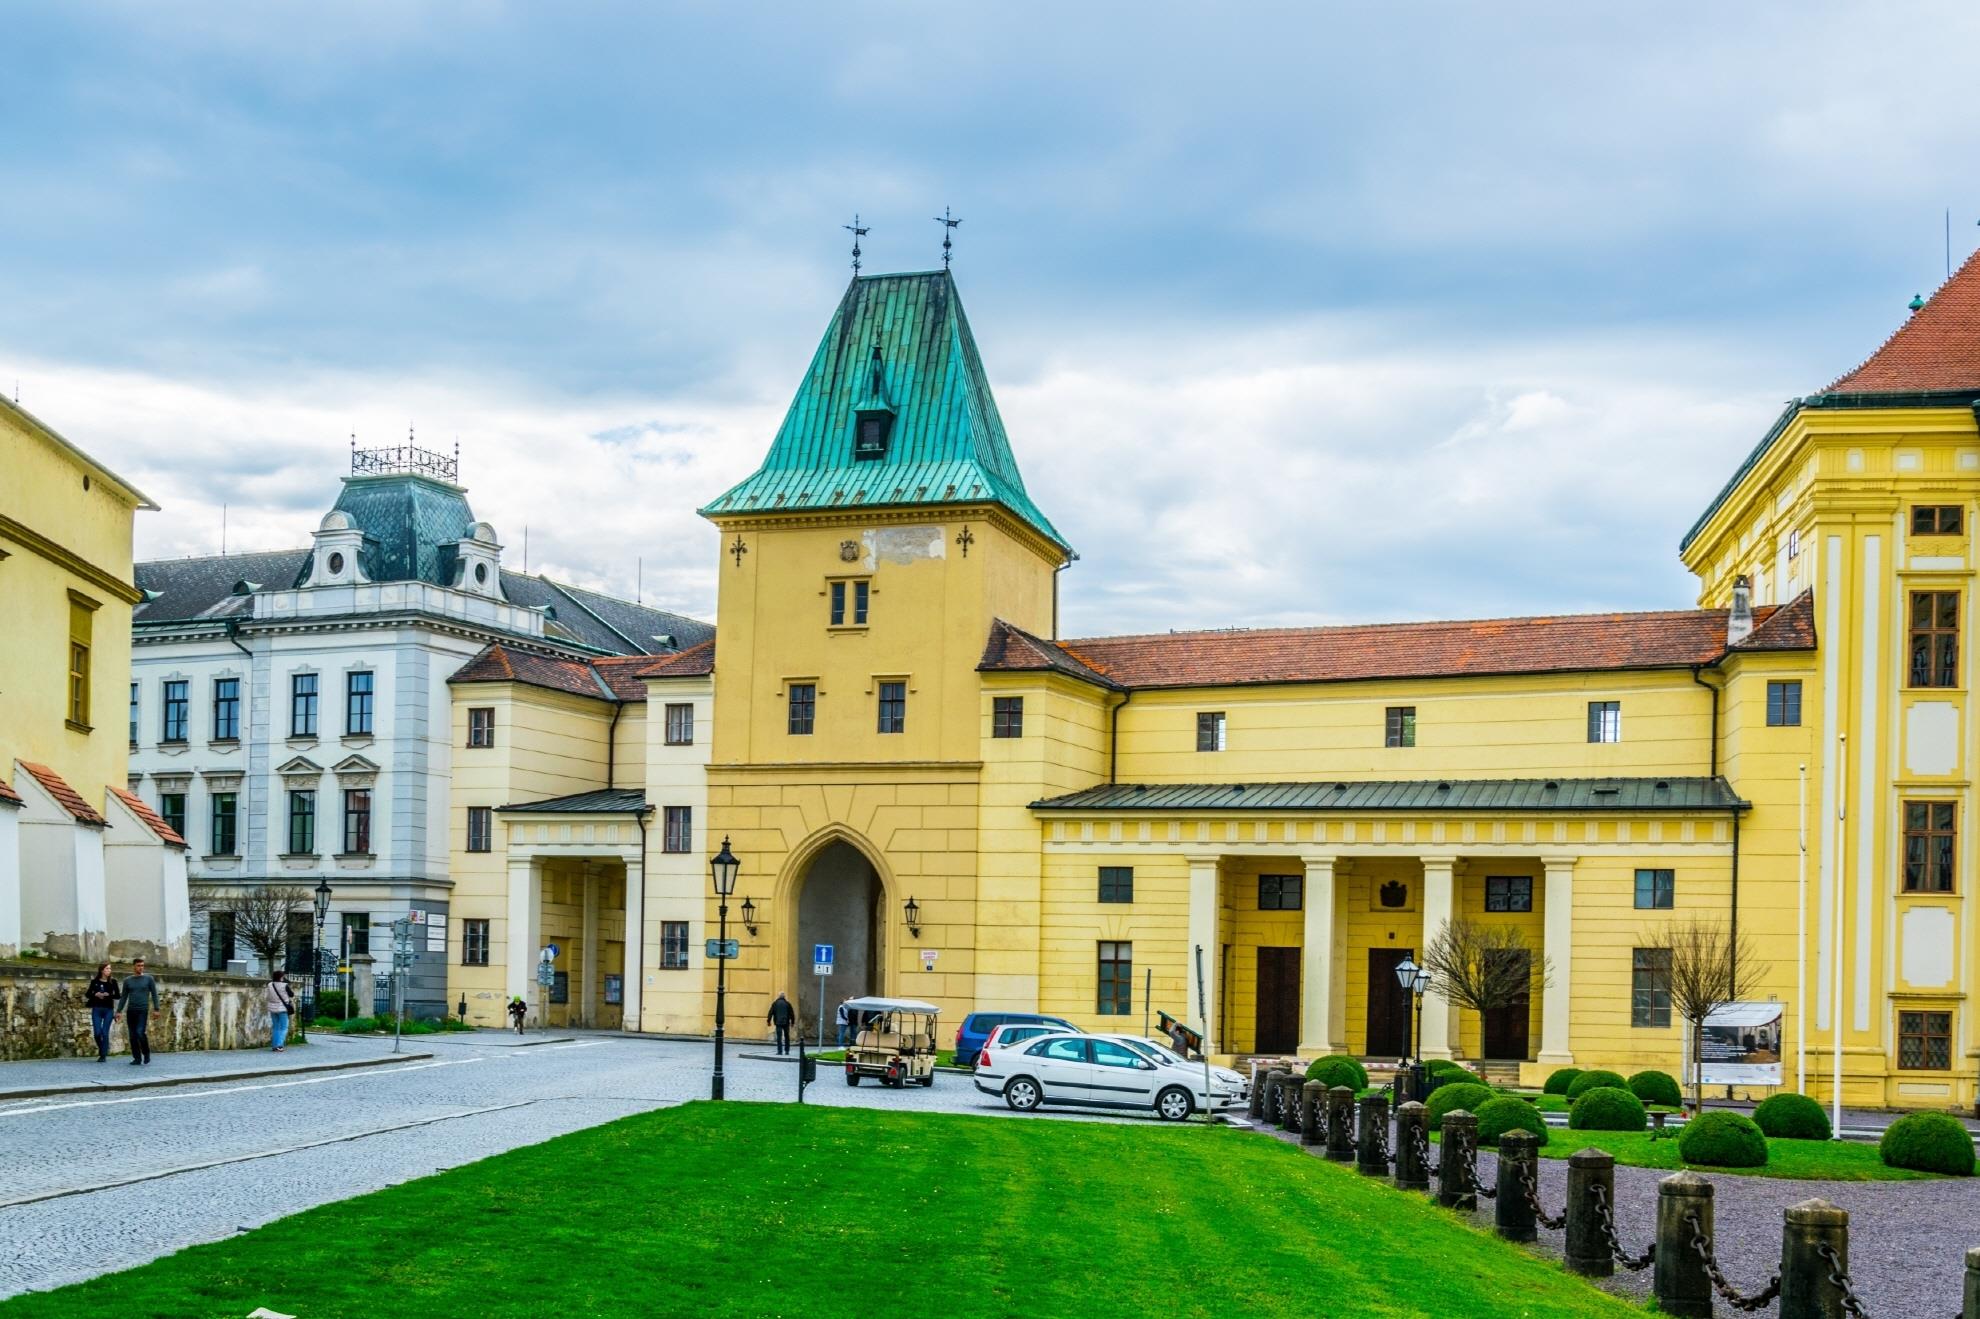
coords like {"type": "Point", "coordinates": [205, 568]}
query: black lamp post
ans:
{"type": "Point", "coordinates": [1415, 980]}
{"type": "Point", "coordinates": [316, 949]}
{"type": "Point", "coordinates": [724, 867]}
{"type": "Point", "coordinates": [749, 916]}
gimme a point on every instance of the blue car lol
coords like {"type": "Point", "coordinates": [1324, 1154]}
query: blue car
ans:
{"type": "Point", "coordinates": [976, 1028]}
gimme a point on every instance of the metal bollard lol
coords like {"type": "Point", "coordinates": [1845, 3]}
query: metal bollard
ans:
{"type": "Point", "coordinates": [1587, 1251]}
{"type": "Point", "coordinates": [1972, 1283]}
{"type": "Point", "coordinates": [1312, 1112]}
{"type": "Point", "coordinates": [1290, 1091]}
{"type": "Point", "coordinates": [1372, 1137]}
{"type": "Point", "coordinates": [1682, 1286]}
{"type": "Point", "coordinates": [1806, 1292]}
{"type": "Point", "coordinates": [1458, 1168]}
{"type": "Point", "coordinates": [1519, 1158]}
{"type": "Point", "coordinates": [1340, 1124]}
{"type": "Point", "coordinates": [1411, 1172]}
{"type": "Point", "coordinates": [1255, 1106]}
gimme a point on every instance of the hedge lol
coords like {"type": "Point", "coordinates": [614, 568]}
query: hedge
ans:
{"type": "Point", "coordinates": [1928, 1142]}
{"type": "Point", "coordinates": [1655, 1087]}
{"type": "Point", "coordinates": [1790, 1116]}
{"type": "Point", "coordinates": [1607, 1108]}
{"type": "Point", "coordinates": [1559, 1080]}
{"type": "Point", "coordinates": [1508, 1113]}
{"type": "Point", "coordinates": [1721, 1139]}
{"type": "Point", "coordinates": [1595, 1080]}
{"type": "Point", "coordinates": [1451, 1074]}
{"type": "Point", "coordinates": [1338, 1069]}
{"type": "Point", "coordinates": [1450, 1098]}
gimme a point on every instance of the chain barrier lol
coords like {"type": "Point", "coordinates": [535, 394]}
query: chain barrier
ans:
{"type": "Point", "coordinates": [1381, 1138]}
{"type": "Point", "coordinates": [1419, 1137]}
{"type": "Point", "coordinates": [1605, 1220]}
{"type": "Point", "coordinates": [1470, 1167]}
{"type": "Point", "coordinates": [1720, 1283]}
{"type": "Point", "coordinates": [1852, 1304]}
{"type": "Point", "coordinates": [1529, 1185]}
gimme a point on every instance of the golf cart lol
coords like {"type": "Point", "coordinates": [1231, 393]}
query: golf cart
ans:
{"type": "Point", "coordinates": [896, 1041]}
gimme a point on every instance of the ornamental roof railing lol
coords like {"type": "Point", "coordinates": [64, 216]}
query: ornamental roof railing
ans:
{"type": "Point", "coordinates": [407, 457]}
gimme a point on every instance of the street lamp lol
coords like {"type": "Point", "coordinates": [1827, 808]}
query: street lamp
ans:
{"type": "Point", "coordinates": [1415, 980]}
{"type": "Point", "coordinates": [316, 949]}
{"type": "Point", "coordinates": [749, 916]}
{"type": "Point", "coordinates": [724, 867]}
{"type": "Point", "coordinates": [912, 910]}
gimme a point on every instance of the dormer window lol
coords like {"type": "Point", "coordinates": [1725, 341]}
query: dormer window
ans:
{"type": "Point", "coordinates": [871, 434]}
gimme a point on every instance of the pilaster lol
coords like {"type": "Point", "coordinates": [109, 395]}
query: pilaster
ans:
{"type": "Point", "coordinates": [1556, 1004]}
{"type": "Point", "coordinates": [1438, 905]}
{"type": "Point", "coordinates": [1203, 936]}
{"type": "Point", "coordinates": [1317, 969]}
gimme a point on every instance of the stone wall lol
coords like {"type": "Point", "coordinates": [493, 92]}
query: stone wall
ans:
{"type": "Point", "coordinates": [43, 1015]}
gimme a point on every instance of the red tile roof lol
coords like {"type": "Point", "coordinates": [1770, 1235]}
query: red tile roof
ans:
{"type": "Point", "coordinates": [500, 663]}
{"type": "Point", "coordinates": [150, 817]}
{"type": "Point", "coordinates": [7, 794]}
{"type": "Point", "coordinates": [1553, 644]}
{"type": "Point", "coordinates": [1937, 349]}
{"type": "Point", "coordinates": [65, 796]}
{"type": "Point", "coordinates": [623, 674]}
{"type": "Point", "coordinates": [694, 662]}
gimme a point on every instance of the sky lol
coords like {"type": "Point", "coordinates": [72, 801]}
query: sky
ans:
{"type": "Point", "coordinates": [1295, 313]}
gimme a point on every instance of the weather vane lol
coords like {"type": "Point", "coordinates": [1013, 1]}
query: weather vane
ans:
{"type": "Point", "coordinates": [948, 228]}
{"type": "Point", "coordinates": [859, 231]}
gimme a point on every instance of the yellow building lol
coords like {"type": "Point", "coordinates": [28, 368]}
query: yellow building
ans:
{"type": "Point", "coordinates": [86, 869]}
{"type": "Point", "coordinates": [1250, 828]}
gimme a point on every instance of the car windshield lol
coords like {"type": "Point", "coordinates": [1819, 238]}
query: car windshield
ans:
{"type": "Point", "coordinates": [1154, 1051]}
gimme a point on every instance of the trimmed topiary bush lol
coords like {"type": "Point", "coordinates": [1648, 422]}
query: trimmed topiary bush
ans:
{"type": "Point", "coordinates": [1655, 1087]}
{"type": "Point", "coordinates": [1450, 1098]}
{"type": "Point", "coordinates": [1607, 1108]}
{"type": "Point", "coordinates": [1722, 1140]}
{"type": "Point", "coordinates": [1928, 1142]}
{"type": "Point", "coordinates": [1792, 1117]}
{"type": "Point", "coordinates": [1559, 1080]}
{"type": "Point", "coordinates": [1508, 1113]}
{"type": "Point", "coordinates": [1595, 1080]}
{"type": "Point", "coordinates": [1338, 1069]}
{"type": "Point", "coordinates": [1450, 1073]}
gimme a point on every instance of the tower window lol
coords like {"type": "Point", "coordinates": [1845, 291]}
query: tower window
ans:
{"type": "Point", "coordinates": [849, 602]}
{"type": "Point", "coordinates": [1934, 638]}
{"type": "Point", "coordinates": [870, 435]}
{"type": "Point", "coordinates": [1936, 519]}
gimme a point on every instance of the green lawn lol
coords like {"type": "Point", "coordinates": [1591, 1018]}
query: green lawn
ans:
{"type": "Point", "coordinates": [772, 1210]}
{"type": "Point", "coordinates": [1795, 1160]}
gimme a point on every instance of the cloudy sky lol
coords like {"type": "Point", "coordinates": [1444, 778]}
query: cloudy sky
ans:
{"type": "Point", "coordinates": [1295, 313]}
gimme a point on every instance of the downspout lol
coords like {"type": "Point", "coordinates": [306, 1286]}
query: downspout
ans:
{"type": "Point", "coordinates": [1114, 737]}
{"type": "Point", "coordinates": [612, 746]}
{"type": "Point", "coordinates": [1055, 596]}
{"type": "Point", "coordinates": [1715, 715]}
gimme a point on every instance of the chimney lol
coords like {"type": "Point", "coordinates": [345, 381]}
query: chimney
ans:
{"type": "Point", "coordinates": [1739, 623]}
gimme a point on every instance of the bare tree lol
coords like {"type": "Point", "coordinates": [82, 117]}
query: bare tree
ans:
{"type": "Point", "coordinates": [1704, 964]}
{"type": "Point", "coordinates": [1484, 967]}
{"type": "Point", "coordinates": [261, 914]}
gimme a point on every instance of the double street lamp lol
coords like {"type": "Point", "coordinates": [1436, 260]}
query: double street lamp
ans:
{"type": "Point", "coordinates": [1415, 981]}
{"type": "Point", "coordinates": [724, 866]}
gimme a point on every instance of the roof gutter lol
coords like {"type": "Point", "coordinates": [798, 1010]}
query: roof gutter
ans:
{"type": "Point", "coordinates": [1114, 737]}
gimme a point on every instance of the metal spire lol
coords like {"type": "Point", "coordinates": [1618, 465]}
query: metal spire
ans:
{"type": "Point", "coordinates": [948, 228]}
{"type": "Point", "coordinates": [859, 231]}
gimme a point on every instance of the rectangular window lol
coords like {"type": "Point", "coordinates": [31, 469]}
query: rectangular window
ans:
{"type": "Point", "coordinates": [82, 625]}
{"type": "Point", "coordinates": [1935, 638]}
{"type": "Point", "coordinates": [673, 945]}
{"type": "Point", "coordinates": [474, 942]}
{"type": "Point", "coordinates": [679, 831]}
{"type": "Point", "coordinates": [172, 809]}
{"type": "Point", "coordinates": [357, 704]}
{"type": "Point", "coordinates": [838, 604]}
{"type": "Point", "coordinates": [1007, 716]}
{"type": "Point", "coordinates": [1509, 893]}
{"type": "Point", "coordinates": [680, 725]}
{"type": "Point", "coordinates": [1784, 704]}
{"type": "Point", "coordinates": [481, 726]}
{"type": "Point", "coordinates": [1794, 545]}
{"type": "Point", "coordinates": [1925, 1041]}
{"type": "Point", "coordinates": [1936, 520]}
{"type": "Point", "coordinates": [297, 948]}
{"type": "Point", "coordinates": [302, 705]}
{"type": "Point", "coordinates": [219, 939]}
{"type": "Point", "coordinates": [226, 709]}
{"type": "Point", "coordinates": [1210, 730]}
{"type": "Point", "coordinates": [1650, 987]}
{"type": "Point", "coordinates": [357, 933]}
{"type": "Point", "coordinates": [1116, 979]}
{"type": "Point", "coordinates": [177, 712]}
{"type": "Point", "coordinates": [357, 820]}
{"type": "Point", "coordinates": [1117, 883]}
{"type": "Point", "coordinates": [1656, 890]}
{"type": "Point", "coordinates": [1929, 838]}
{"type": "Point", "coordinates": [481, 828]}
{"type": "Point", "coordinates": [134, 713]}
{"type": "Point", "coordinates": [893, 707]}
{"type": "Point", "coordinates": [1401, 726]}
{"type": "Point", "coordinates": [860, 592]}
{"type": "Point", "coordinates": [1605, 721]}
{"type": "Point", "coordinates": [804, 706]}
{"type": "Point", "coordinates": [302, 822]}
{"type": "Point", "coordinates": [1279, 892]}
{"type": "Point", "coordinates": [222, 831]}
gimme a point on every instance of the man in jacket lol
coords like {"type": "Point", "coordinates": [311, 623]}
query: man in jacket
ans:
{"type": "Point", "coordinates": [781, 1015]}
{"type": "Point", "coordinates": [141, 995]}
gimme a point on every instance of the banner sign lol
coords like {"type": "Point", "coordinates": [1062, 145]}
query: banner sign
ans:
{"type": "Point", "coordinates": [1741, 1045]}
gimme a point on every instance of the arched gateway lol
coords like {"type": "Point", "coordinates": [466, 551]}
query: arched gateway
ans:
{"type": "Point", "coordinates": [838, 902]}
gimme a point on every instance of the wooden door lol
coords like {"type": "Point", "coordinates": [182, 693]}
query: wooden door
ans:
{"type": "Point", "coordinates": [1388, 1005]}
{"type": "Point", "coordinates": [1503, 1030]}
{"type": "Point", "coordinates": [1278, 1001]}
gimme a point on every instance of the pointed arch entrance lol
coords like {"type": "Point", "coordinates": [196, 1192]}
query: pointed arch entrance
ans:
{"type": "Point", "coordinates": [839, 900]}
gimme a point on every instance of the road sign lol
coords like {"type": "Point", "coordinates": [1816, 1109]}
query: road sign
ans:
{"type": "Point", "coordinates": [545, 975]}
{"type": "Point", "coordinates": [821, 959]}
{"type": "Point", "coordinates": [416, 916]}
{"type": "Point", "coordinates": [723, 949]}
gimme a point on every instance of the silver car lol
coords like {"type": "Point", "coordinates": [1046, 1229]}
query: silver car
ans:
{"type": "Point", "coordinates": [1087, 1071]}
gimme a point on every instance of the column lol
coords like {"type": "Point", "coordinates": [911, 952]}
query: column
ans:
{"type": "Point", "coordinates": [587, 1013]}
{"type": "Point", "coordinates": [1316, 974]}
{"type": "Point", "coordinates": [1203, 934]}
{"type": "Point", "coordinates": [634, 977]}
{"type": "Point", "coordinates": [525, 926]}
{"type": "Point", "coordinates": [1558, 948]}
{"type": "Point", "coordinates": [1437, 910]}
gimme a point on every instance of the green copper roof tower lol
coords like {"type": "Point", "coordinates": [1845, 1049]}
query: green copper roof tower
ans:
{"type": "Point", "coordinates": [894, 412]}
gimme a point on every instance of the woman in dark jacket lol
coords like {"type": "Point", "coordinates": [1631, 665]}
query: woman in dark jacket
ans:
{"type": "Point", "coordinates": [102, 996]}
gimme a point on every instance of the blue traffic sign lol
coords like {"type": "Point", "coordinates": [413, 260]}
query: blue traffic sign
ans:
{"type": "Point", "coordinates": [723, 949]}
{"type": "Point", "coordinates": [821, 953]}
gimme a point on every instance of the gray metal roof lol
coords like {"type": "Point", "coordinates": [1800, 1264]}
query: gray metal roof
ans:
{"type": "Point", "coordinates": [599, 801]}
{"type": "Point", "coordinates": [1540, 795]}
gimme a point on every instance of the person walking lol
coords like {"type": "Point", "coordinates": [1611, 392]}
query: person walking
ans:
{"type": "Point", "coordinates": [141, 997]}
{"type": "Point", "coordinates": [517, 1011]}
{"type": "Point", "coordinates": [102, 996]}
{"type": "Point", "coordinates": [279, 997]}
{"type": "Point", "coordinates": [844, 1020]}
{"type": "Point", "coordinates": [781, 1015]}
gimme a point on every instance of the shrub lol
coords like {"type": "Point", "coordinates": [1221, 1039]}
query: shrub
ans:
{"type": "Point", "coordinates": [1928, 1142]}
{"type": "Point", "coordinates": [1338, 1069]}
{"type": "Point", "coordinates": [1607, 1108]}
{"type": "Point", "coordinates": [330, 1003]}
{"type": "Point", "coordinates": [1507, 1113]}
{"type": "Point", "coordinates": [1450, 1098]}
{"type": "Point", "coordinates": [1450, 1074]}
{"type": "Point", "coordinates": [357, 1026]}
{"type": "Point", "coordinates": [1655, 1087]}
{"type": "Point", "coordinates": [1792, 1117]}
{"type": "Point", "coordinates": [1595, 1080]}
{"type": "Point", "coordinates": [1559, 1080]}
{"type": "Point", "coordinates": [1722, 1140]}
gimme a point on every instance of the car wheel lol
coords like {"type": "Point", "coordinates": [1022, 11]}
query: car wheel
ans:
{"type": "Point", "coordinates": [1173, 1104]}
{"type": "Point", "coordinates": [852, 1078]}
{"type": "Point", "coordinates": [929, 1081]}
{"type": "Point", "coordinates": [1023, 1094]}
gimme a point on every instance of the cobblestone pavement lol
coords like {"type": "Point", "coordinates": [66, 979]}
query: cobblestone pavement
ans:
{"type": "Point", "coordinates": [192, 1163]}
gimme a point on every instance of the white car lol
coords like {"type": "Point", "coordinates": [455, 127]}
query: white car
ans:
{"type": "Point", "coordinates": [1087, 1071]}
{"type": "Point", "coordinates": [1226, 1086]}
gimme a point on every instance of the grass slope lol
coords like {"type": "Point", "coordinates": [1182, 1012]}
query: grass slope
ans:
{"type": "Point", "coordinates": [767, 1210]}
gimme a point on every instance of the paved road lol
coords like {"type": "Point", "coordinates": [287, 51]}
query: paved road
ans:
{"type": "Point", "coordinates": [186, 1164]}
